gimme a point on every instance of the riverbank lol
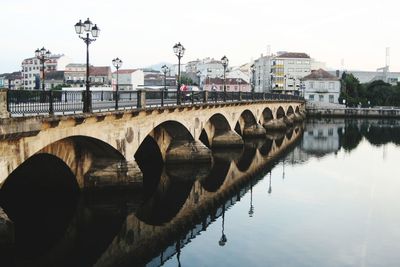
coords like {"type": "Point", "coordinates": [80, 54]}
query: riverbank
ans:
{"type": "Point", "coordinates": [344, 112]}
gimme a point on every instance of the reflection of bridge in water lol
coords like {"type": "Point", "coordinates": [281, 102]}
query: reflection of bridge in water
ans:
{"type": "Point", "coordinates": [142, 225]}
{"type": "Point", "coordinates": [157, 237]}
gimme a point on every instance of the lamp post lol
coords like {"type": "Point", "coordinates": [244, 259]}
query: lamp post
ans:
{"type": "Point", "coordinates": [225, 62]}
{"type": "Point", "coordinates": [253, 84]}
{"type": "Point", "coordinates": [43, 55]}
{"type": "Point", "coordinates": [179, 50]}
{"type": "Point", "coordinates": [164, 70]}
{"type": "Point", "coordinates": [81, 28]}
{"type": "Point", "coordinates": [117, 64]}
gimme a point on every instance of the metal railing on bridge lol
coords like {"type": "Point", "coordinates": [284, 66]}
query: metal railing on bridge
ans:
{"type": "Point", "coordinates": [26, 102]}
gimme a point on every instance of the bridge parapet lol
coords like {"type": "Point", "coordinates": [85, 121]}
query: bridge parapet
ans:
{"type": "Point", "coordinates": [3, 104]}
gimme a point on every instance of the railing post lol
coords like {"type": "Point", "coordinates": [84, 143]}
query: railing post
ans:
{"type": "Point", "coordinates": [240, 96]}
{"type": "Point", "coordinates": [162, 97]}
{"type": "Point", "coordinates": [205, 96]}
{"type": "Point", "coordinates": [4, 104]}
{"type": "Point", "coordinates": [141, 98]}
{"type": "Point", "coordinates": [102, 96]}
{"type": "Point", "coordinates": [51, 109]}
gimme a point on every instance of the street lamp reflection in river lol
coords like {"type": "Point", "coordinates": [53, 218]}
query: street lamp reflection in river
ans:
{"type": "Point", "coordinates": [222, 241]}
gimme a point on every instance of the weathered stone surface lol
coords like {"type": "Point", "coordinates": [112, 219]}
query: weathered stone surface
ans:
{"type": "Point", "coordinates": [185, 152]}
{"type": "Point", "coordinates": [227, 139]}
{"type": "Point", "coordinates": [289, 120]}
{"type": "Point", "coordinates": [3, 104]}
{"type": "Point", "coordinates": [254, 131]}
{"type": "Point", "coordinates": [6, 230]}
{"type": "Point", "coordinates": [274, 125]}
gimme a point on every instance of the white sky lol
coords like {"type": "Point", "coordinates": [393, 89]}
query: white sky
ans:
{"type": "Point", "coordinates": [142, 33]}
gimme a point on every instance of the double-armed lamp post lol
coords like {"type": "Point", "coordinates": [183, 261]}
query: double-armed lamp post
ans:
{"type": "Point", "coordinates": [225, 62]}
{"type": "Point", "coordinates": [117, 64]}
{"type": "Point", "coordinates": [179, 50]}
{"type": "Point", "coordinates": [89, 28]}
{"type": "Point", "coordinates": [164, 70]}
{"type": "Point", "coordinates": [43, 55]}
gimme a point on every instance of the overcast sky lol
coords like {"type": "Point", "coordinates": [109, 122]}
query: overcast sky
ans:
{"type": "Point", "coordinates": [142, 33]}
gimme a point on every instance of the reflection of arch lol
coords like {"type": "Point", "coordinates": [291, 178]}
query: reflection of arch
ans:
{"type": "Point", "coordinates": [246, 157]}
{"type": "Point", "coordinates": [279, 141]}
{"type": "Point", "coordinates": [216, 176]}
{"type": "Point", "coordinates": [166, 202]}
{"type": "Point", "coordinates": [290, 111]}
{"type": "Point", "coordinates": [280, 113]}
{"type": "Point", "coordinates": [31, 179]}
{"type": "Point", "coordinates": [246, 120]}
{"type": "Point", "coordinates": [289, 134]}
{"type": "Point", "coordinates": [266, 147]}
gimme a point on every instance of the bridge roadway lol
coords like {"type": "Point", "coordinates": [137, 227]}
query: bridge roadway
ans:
{"type": "Point", "coordinates": [178, 133]}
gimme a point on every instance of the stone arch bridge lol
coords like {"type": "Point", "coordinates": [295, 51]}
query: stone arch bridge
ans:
{"type": "Point", "coordinates": [178, 133]}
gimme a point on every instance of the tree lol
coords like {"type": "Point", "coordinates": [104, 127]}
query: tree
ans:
{"type": "Point", "coordinates": [186, 80]}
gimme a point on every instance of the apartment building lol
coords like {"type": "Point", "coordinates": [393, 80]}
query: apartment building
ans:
{"type": "Point", "coordinates": [32, 70]}
{"type": "Point", "coordinates": [287, 69]}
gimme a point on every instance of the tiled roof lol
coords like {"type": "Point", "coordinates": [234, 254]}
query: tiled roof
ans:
{"type": "Point", "coordinates": [320, 75]}
{"type": "Point", "coordinates": [293, 55]}
{"type": "Point", "coordinates": [125, 71]}
{"type": "Point", "coordinates": [229, 81]}
{"type": "Point", "coordinates": [100, 71]}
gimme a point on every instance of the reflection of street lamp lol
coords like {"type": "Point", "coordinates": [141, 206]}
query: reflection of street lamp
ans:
{"type": "Point", "coordinates": [225, 62]}
{"type": "Point", "coordinates": [222, 241]}
{"type": "Point", "coordinates": [43, 55]}
{"type": "Point", "coordinates": [80, 28]}
{"type": "Point", "coordinates": [117, 64]}
{"type": "Point", "coordinates": [270, 186]}
{"type": "Point", "coordinates": [251, 211]}
{"type": "Point", "coordinates": [179, 50]}
{"type": "Point", "coordinates": [253, 71]}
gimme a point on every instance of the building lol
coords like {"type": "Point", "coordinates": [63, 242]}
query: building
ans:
{"type": "Point", "coordinates": [100, 76]}
{"type": "Point", "coordinates": [128, 79]}
{"type": "Point", "coordinates": [12, 81]}
{"type": "Point", "coordinates": [31, 69]}
{"type": "Point", "coordinates": [53, 79]}
{"type": "Point", "coordinates": [156, 80]}
{"type": "Point", "coordinates": [238, 74]}
{"type": "Point", "coordinates": [287, 69]}
{"type": "Point", "coordinates": [75, 74]}
{"type": "Point", "coordinates": [202, 69]}
{"type": "Point", "coordinates": [321, 86]}
{"type": "Point", "coordinates": [262, 74]}
{"type": "Point", "coordinates": [232, 85]}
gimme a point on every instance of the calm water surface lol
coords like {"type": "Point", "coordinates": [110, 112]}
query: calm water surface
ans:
{"type": "Point", "coordinates": [332, 199]}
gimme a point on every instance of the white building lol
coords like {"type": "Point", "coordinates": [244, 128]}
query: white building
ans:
{"type": "Point", "coordinates": [128, 79]}
{"type": "Point", "coordinates": [238, 74]}
{"type": "Point", "coordinates": [322, 87]}
{"type": "Point", "coordinates": [287, 70]}
{"type": "Point", "coordinates": [262, 74]}
{"type": "Point", "coordinates": [31, 69]}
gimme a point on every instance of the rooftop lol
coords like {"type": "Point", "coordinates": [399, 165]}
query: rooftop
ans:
{"type": "Point", "coordinates": [293, 55]}
{"type": "Point", "coordinates": [320, 74]}
{"type": "Point", "coordinates": [100, 71]}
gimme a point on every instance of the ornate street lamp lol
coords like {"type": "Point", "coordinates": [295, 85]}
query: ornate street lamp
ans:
{"type": "Point", "coordinates": [81, 28]}
{"type": "Point", "coordinates": [253, 77]}
{"type": "Point", "coordinates": [164, 70]}
{"type": "Point", "coordinates": [117, 64]}
{"type": "Point", "coordinates": [225, 62]}
{"type": "Point", "coordinates": [43, 55]}
{"type": "Point", "coordinates": [179, 50]}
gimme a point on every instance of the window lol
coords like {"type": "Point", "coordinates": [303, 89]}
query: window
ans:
{"type": "Point", "coordinates": [321, 98]}
{"type": "Point", "coordinates": [311, 85]}
{"type": "Point", "coordinates": [331, 98]}
{"type": "Point", "coordinates": [322, 85]}
{"type": "Point", "coordinates": [320, 133]}
{"type": "Point", "coordinates": [330, 132]}
{"type": "Point", "coordinates": [311, 97]}
{"type": "Point", "coordinates": [310, 133]}
{"type": "Point", "coordinates": [331, 85]}
{"type": "Point", "coordinates": [236, 88]}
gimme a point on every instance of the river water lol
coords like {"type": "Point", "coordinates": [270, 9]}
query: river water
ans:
{"type": "Point", "coordinates": [331, 198]}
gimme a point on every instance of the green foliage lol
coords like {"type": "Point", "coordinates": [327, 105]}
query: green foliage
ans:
{"type": "Point", "coordinates": [376, 93]}
{"type": "Point", "coordinates": [59, 87]}
{"type": "Point", "coordinates": [186, 80]}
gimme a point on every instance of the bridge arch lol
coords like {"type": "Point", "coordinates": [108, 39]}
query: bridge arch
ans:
{"type": "Point", "coordinates": [289, 111]}
{"type": "Point", "coordinates": [246, 120]}
{"type": "Point", "coordinates": [217, 132]}
{"type": "Point", "coordinates": [267, 115]}
{"type": "Point", "coordinates": [280, 113]}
